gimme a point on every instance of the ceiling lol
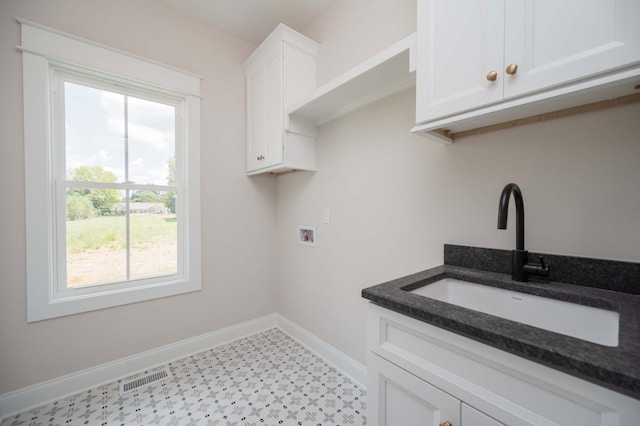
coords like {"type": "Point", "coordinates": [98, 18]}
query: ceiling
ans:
{"type": "Point", "coordinates": [253, 20]}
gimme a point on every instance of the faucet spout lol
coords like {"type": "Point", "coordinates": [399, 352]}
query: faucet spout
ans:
{"type": "Point", "coordinates": [503, 210]}
{"type": "Point", "coordinates": [520, 266]}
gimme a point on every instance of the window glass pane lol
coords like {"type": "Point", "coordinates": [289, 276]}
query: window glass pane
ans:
{"type": "Point", "coordinates": [152, 146]}
{"type": "Point", "coordinates": [94, 134]}
{"type": "Point", "coordinates": [96, 244]}
{"type": "Point", "coordinates": [120, 139]}
{"type": "Point", "coordinates": [154, 237]}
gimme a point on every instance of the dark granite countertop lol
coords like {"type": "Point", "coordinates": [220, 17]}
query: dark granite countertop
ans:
{"type": "Point", "coordinates": [617, 368]}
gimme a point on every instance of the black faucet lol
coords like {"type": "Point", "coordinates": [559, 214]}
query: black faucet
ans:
{"type": "Point", "coordinates": [520, 268]}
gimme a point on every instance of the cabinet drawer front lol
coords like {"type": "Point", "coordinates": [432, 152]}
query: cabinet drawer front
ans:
{"type": "Point", "coordinates": [510, 389]}
{"type": "Point", "coordinates": [398, 398]}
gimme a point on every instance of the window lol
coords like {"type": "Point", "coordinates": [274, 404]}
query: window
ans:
{"type": "Point", "coordinates": [117, 195]}
{"type": "Point", "coordinates": [112, 176]}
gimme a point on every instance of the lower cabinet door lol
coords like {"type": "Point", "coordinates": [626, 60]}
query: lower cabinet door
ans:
{"type": "Point", "coordinates": [398, 398]}
{"type": "Point", "coordinates": [472, 417]}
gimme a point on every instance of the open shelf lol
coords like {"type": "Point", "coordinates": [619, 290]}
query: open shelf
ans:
{"type": "Point", "coordinates": [388, 72]}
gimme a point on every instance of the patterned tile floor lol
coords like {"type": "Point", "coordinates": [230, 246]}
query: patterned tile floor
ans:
{"type": "Point", "coordinates": [264, 379]}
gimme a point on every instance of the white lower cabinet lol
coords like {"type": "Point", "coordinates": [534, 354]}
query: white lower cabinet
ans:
{"type": "Point", "coordinates": [400, 398]}
{"type": "Point", "coordinates": [472, 417]}
{"type": "Point", "coordinates": [419, 374]}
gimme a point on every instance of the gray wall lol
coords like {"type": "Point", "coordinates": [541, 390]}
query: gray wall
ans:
{"type": "Point", "coordinates": [396, 198]}
{"type": "Point", "coordinates": [238, 213]}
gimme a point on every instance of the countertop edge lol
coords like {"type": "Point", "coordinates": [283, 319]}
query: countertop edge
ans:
{"type": "Point", "coordinates": [605, 366]}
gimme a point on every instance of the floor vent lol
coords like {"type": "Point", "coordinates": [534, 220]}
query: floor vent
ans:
{"type": "Point", "coordinates": [147, 379]}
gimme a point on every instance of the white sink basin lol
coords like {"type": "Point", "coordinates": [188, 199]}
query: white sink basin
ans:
{"type": "Point", "coordinates": [583, 322]}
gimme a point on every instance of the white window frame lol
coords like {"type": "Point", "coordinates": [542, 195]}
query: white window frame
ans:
{"type": "Point", "coordinates": [61, 74]}
{"type": "Point", "coordinates": [46, 51]}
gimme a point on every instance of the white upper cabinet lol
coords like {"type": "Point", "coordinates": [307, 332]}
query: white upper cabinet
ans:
{"type": "Point", "coordinates": [263, 133]}
{"type": "Point", "coordinates": [280, 72]}
{"type": "Point", "coordinates": [555, 42]}
{"type": "Point", "coordinates": [459, 43]}
{"type": "Point", "coordinates": [482, 62]}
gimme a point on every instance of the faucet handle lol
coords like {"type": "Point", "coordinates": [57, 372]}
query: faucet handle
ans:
{"type": "Point", "coordinates": [540, 269]}
{"type": "Point", "coordinates": [542, 262]}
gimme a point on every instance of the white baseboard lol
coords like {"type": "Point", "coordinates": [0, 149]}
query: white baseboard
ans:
{"type": "Point", "coordinates": [39, 394]}
{"type": "Point", "coordinates": [356, 371]}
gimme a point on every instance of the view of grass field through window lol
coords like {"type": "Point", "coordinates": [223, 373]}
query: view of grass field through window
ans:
{"type": "Point", "coordinates": [120, 194]}
{"type": "Point", "coordinates": [96, 248]}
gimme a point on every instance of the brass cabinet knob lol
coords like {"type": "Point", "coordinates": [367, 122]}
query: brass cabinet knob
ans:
{"type": "Point", "coordinates": [492, 76]}
{"type": "Point", "coordinates": [446, 423]}
{"type": "Point", "coordinates": [260, 157]}
{"type": "Point", "coordinates": [512, 69]}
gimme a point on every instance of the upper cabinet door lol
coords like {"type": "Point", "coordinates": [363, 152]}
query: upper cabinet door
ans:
{"type": "Point", "coordinates": [265, 113]}
{"type": "Point", "coordinates": [274, 110]}
{"type": "Point", "coordinates": [460, 44]}
{"type": "Point", "coordinates": [556, 42]}
{"type": "Point", "coordinates": [256, 118]}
